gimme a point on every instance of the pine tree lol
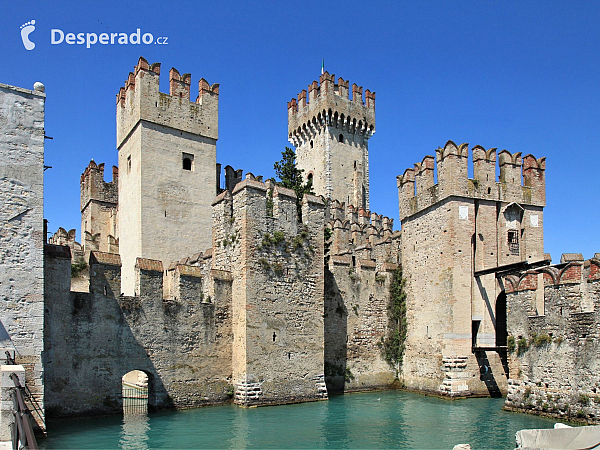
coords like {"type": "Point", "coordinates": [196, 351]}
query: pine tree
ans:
{"type": "Point", "coordinates": [290, 177]}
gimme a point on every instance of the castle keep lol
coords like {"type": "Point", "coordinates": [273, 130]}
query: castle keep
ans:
{"type": "Point", "coordinates": [230, 293]}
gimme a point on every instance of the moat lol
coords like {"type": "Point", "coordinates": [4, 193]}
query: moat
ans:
{"type": "Point", "coordinates": [391, 419]}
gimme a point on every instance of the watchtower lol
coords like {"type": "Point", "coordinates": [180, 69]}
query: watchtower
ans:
{"type": "Point", "coordinates": [456, 235]}
{"type": "Point", "coordinates": [99, 224]}
{"type": "Point", "coordinates": [167, 161]}
{"type": "Point", "coordinates": [331, 133]}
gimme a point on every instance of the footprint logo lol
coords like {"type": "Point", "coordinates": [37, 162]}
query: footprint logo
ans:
{"type": "Point", "coordinates": [26, 30]}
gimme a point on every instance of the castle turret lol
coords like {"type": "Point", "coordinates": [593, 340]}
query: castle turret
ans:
{"type": "Point", "coordinates": [99, 224]}
{"type": "Point", "coordinates": [456, 235]}
{"type": "Point", "coordinates": [167, 161]}
{"type": "Point", "coordinates": [331, 132]}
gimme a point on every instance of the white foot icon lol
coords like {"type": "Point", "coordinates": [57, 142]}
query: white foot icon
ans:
{"type": "Point", "coordinates": [26, 30]}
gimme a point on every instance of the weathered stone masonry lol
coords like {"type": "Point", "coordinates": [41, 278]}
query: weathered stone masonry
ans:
{"type": "Point", "coordinates": [451, 230]}
{"type": "Point", "coordinates": [21, 232]}
{"type": "Point", "coordinates": [554, 324]}
{"type": "Point", "coordinates": [180, 342]}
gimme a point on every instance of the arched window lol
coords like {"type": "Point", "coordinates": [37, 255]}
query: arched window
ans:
{"type": "Point", "coordinates": [187, 161]}
{"type": "Point", "coordinates": [341, 138]}
{"type": "Point", "coordinates": [311, 144]}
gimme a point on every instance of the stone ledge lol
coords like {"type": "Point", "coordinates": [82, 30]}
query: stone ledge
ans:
{"type": "Point", "coordinates": [111, 259]}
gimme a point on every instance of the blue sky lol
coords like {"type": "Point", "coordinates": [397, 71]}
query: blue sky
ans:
{"type": "Point", "coordinates": [516, 75]}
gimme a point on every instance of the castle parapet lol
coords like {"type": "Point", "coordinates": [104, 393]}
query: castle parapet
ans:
{"type": "Point", "coordinates": [353, 227]}
{"type": "Point", "coordinates": [93, 186]}
{"type": "Point", "coordinates": [521, 180]}
{"type": "Point", "coordinates": [329, 104]}
{"type": "Point", "coordinates": [140, 100]}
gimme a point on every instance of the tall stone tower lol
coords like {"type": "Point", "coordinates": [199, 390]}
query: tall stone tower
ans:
{"type": "Point", "coordinates": [167, 161]}
{"type": "Point", "coordinates": [457, 235]}
{"type": "Point", "coordinates": [331, 133]}
{"type": "Point", "coordinates": [99, 224]}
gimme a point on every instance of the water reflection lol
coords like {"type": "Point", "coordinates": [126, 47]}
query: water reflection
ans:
{"type": "Point", "coordinates": [134, 431]}
{"type": "Point", "coordinates": [240, 428]}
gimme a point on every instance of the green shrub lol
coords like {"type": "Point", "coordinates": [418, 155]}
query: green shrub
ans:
{"type": "Point", "coordinates": [278, 237]}
{"type": "Point", "coordinates": [78, 267]}
{"type": "Point", "coordinates": [522, 346]}
{"type": "Point", "coordinates": [348, 375]}
{"type": "Point", "coordinates": [540, 340]}
{"type": "Point", "coordinates": [511, 344]}
{"type": "Point", "coordinates": [264, 264]}
{"type": "Point", "coordinates": [584, 399]}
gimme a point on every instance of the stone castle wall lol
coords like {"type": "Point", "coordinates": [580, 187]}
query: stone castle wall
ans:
{"type": "Point", "coordinates": [276, 263]}
{"type": "Point", "coordinates": [451, 230]}
{"type": "Point", "coordinates": [364, 253]}
{"type": "Point", "coordinates": [554, 323]}
{"type": "Point", "coordinates": [22, 233]}
{"type": "Point", "coordinates": [182, 342]}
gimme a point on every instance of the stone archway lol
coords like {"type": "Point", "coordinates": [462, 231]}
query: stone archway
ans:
{"type": "Point", "coordinates": [134, 387]}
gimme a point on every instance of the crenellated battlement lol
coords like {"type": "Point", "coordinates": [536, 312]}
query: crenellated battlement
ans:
{"type": "Point", "coordinates": [141, 100]}
{"type": "Point", "coordinates": [521, 180]}
{"type": "Point", "coordinates": [328, 104]}
{"type": "Point", "coordinates": [93, 186]}
{"type": "Point", "coordinates": [273, 207]}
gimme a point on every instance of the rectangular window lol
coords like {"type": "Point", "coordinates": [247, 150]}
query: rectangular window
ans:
{"type": "Point", "coordinates": [513, 242]}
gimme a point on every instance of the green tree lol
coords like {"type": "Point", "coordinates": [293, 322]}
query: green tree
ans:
{"type": "Point", "coordinates": [290, 177]}
{"type": "Point", "coordinates": [392, 346]}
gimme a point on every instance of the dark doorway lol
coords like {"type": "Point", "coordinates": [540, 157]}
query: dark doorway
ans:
{"type": "Point", "coordinates": [501, 333]}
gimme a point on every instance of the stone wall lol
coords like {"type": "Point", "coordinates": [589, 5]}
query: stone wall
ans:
{"type": "Point", "coordinates": [455, 233]}
{"type": "Point", "coordinates": [22, 231]}
{"type": "Point", "coordinates": [183, 343]}
{"type": "Point", "coordinates": [276, 264]}
{"type": "Point", "coordinates": [554, 323]}
{"type": "Point", "coordinates": [363, 254]}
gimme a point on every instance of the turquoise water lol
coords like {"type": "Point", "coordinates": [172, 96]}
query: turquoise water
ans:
{"type": "Point", "coordinates": [391, 419]}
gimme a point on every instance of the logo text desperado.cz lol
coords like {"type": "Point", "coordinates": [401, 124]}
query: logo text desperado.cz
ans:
{"type": "Point", "coordinates": [58, 36]}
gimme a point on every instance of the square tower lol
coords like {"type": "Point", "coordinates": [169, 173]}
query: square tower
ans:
{"type": "Point", "coordinates": [167, 161]}
{"type": "Point", "coordinates": [457, 234]}
{"type": "Point", "coordinates": [331, 133]}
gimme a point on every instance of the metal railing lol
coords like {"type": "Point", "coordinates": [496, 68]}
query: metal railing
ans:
{"type": "Point", "coordinates": [21, 429]}
{"type": "Point", "coordinates": [28, 394]}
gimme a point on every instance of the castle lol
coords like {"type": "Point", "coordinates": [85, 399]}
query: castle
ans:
{"type": "Point", "coordinates": [230, 292]}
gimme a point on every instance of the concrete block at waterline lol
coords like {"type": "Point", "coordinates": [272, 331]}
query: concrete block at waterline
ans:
{"type": "Point", "coordinates": [6, 382]}
{"type": "Point", "coordinates": [6, 404]}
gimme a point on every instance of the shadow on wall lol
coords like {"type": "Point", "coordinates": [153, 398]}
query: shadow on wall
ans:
{"type": "Point", "coordinates": [336, 336]}
{"type": "Point", "coordinates": [5, 340]}
{"type": "Point", "coordinates": [89, 346]}
{"type": "Point", "coordinates": [487, 375]}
